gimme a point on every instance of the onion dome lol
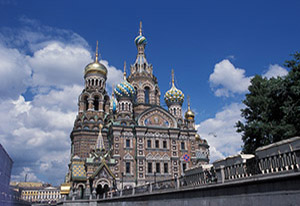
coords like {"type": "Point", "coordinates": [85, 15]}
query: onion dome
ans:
{"type": "Point", "coordinates": [189, 115]}
{"type": "Point", "coordinates": [96, 66]}
{"type": "Point", "coordinates": [113, 103]}
{"type": "Point", "coordinates": [174, 95]}
{"type": "Point", "coordinates": [140, 39]}
{"type": "Point", "coordinates": [197, 137]}
{"type": "Point", "coordinates": [124, 89]}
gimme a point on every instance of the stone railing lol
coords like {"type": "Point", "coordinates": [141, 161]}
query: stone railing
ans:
{"type": "Point", "coordinates": [283, 156]}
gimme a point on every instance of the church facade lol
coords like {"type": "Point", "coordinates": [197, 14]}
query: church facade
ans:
{"type": "Point", "coordinates": [128, 138]}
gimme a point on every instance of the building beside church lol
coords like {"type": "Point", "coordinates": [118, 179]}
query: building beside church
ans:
{"type": "Point", "coordinates": [128, 138]}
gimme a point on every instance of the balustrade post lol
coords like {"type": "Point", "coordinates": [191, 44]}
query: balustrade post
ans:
{"type": "Point", "coordinates": [133, 190]}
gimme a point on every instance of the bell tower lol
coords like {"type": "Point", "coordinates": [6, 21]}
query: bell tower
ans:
{"type": "Point", "coordinates": [142, 78]}
{"type": "Point", "coordinates": [93, 106]}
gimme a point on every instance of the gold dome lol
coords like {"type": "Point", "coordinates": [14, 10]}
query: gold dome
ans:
{"type": "Point", "coordinates": [189, 115]}
{"type": "Point", "coordinates": [96, 66]}
{"type": "Point", "coordinates": [197, 137]}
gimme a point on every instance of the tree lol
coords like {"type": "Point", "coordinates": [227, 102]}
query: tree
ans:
{"type": "Point", "coordinates": [272, 110]}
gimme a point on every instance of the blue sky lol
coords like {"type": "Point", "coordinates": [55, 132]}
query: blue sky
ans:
{"type": "Point", "coordinates": [215, 47]}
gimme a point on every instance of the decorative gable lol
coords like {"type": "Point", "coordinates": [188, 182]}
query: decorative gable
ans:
{"type": "Point", "coordinates": [157, 117]}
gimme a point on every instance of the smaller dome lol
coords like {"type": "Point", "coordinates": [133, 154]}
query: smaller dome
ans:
{"type": "Point", "coordinates": [190, 115]}
{"type": "Point", "coordinates": [197, 137]}
{"type": "Point", "coordinates": [95, 67]}
{"type": "Point", "coordinates": [124, 89]}
{"type": "Point", "coordinates": [174, 95]}
{"type": "Point", "coordinates": [140, 39]}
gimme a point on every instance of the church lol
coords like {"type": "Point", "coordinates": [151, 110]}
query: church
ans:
{"type": "Point", "coordinates": [127, 138]}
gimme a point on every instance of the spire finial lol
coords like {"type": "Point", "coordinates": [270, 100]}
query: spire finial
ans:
{"type": "Point", "coordinates": [189, 104]}
{"type": "Point", "coordinates": [96, 56]}
{"type": "Point", "coordinates": [124, 70]}
{"type": "Point", "coordinates": [172, 77]}
{"type": "Point", "coordinates": [141, 28]}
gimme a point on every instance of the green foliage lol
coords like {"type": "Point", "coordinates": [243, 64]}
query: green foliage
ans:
{"type": "Point", "coordinates": [272, 110]}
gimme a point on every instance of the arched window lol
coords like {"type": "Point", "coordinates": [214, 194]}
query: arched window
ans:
{"type": "Point", "coordinates": [86, 103]}
{"type": "Point", "coordinates": [92, 82]}
{"type": "Point", "coordinates": [156, 97]}
{"type": "Point", "coordinates": [147, 89]}
{"type": "Point", "coordinates": [122, 106]}
{"type": "Point", "coordinates": [96, 82]}
{"type": "Point", "coordinates": [135, 95]}
{"type": "Point", "coordinates": [129, 107]}
{"type": "Point", "coordinates": [96, 104]}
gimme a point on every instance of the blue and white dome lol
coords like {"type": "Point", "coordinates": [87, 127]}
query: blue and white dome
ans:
{"type": "Point", "coordinates": [124, 89]}
{"type": "Point", "coordinates": [174, 95]}
{"type": "Point", "coordinates": [140, 39]}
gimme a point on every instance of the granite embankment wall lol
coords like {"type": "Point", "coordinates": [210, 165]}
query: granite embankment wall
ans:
{"type": "Point", "coordinates": [280, 189]}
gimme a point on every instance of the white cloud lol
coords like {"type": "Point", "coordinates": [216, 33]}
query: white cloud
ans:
{"type": "Point", "coordinates": [25, 173]}
{"type": "Point", "coordinates": [221, 133]}
{"type": "Point", "coordinates": [274, 71]}
{"type": "Point", "coordinates": [114, 76]}
{"type": "Point", "coordinates": [14, 73]}
{"type": "Point", "coordinates": [227, 79]}
{"type": "Point", "coordinates": [58, 64]}
{"type": "Point", "coordinates": [36, 133]}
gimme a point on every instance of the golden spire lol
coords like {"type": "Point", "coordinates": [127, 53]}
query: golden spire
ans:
{"type": "Point", "coordinates": [124, 70]}
{"type": "Point", "coordinates": [96, 56]}
{"type": "Point", "coordinates": [140, 28]}
{"type": "Point", "coordinates": [172, 77]}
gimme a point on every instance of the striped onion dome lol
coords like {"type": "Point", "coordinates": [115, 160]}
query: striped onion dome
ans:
{"type": "Point", "coordinates": [140, 39]}
{"type": "Point", "coordinates": [124, 89]}
{"type": "Point", "coordinates": [174, 95]}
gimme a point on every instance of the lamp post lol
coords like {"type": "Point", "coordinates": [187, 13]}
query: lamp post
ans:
{"type": "Point", "coordinates": [154, 177]}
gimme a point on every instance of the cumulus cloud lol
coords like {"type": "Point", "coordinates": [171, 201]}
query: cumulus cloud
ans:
{"type": "Point", "coordinates": [275, 70]}
{"type": "Point", "coordinates": [14, 73]}
{"type": "Point", "coordinates": [59, 64]}
{"type": "Point", "coordinates": [228, 79]}
{"type": "Point", "coordinates": [50, 63]}
{"type": "Point", "coordinates": [27, 174]}
{"type": "Point", "coordinates": [220, 132]}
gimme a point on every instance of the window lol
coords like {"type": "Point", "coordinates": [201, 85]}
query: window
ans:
{"type": "Point", "coordinates": [157, 143]}
{"type": "Point", "coordinates": [127, 167]}
{"type": "Point", "coordinates": [127, 142]}
{"type": "Point", "coordinates": [123, 107]}
{"type": "Point", "coordinates": [164, 144]}
{"type": "Point", "coordinates": [86, 103]}
{"type": "Point", "coordinates": [147, 89]}
{"type": "Point", "coordinates": [96, 103]}
{"type": "Point", "coordinates": [183, 167]}
{"type": "Point", "coordinates": [149, 167]}
{"type": "Point", "coordinates": [166, 168]}
{"type": "Point", "coordinates": [182, 146]}
{"type": "Point", "coordinates": [149, 143]}
{"type": "Point", "coordinates": [157, 167]}
{"type": "Point", "coordinates": [135, 95]}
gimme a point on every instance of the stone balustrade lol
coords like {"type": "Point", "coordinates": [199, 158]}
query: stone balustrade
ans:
{"type": "Point", "coordinates": [280, 157]}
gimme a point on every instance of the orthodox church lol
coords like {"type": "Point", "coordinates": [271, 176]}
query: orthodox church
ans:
{"type": "Point", "coordinates": [128, 138]}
